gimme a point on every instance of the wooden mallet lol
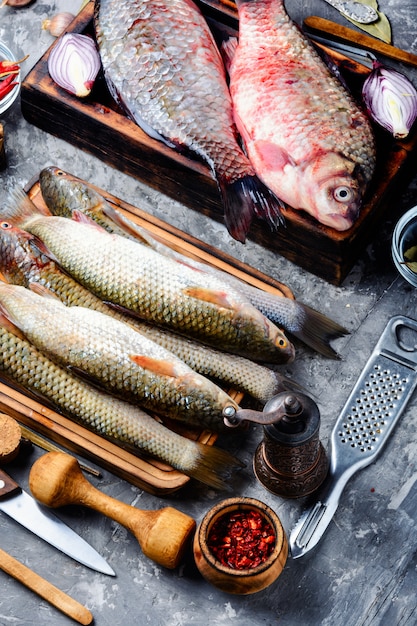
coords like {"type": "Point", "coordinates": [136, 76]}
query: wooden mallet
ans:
{"type": "Point", "coordinates": [56, 480]}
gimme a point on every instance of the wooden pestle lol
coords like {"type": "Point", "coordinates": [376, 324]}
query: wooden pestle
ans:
{"type": "Point", "coordinates": [56, 479]}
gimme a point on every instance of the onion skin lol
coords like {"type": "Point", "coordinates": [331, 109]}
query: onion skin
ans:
{"type": "Point", "coordinates": [57, 24]}
{"type": "Point", "coordinates": [74, 63]}
{"type": "Point", "coordinates": [391, 100]}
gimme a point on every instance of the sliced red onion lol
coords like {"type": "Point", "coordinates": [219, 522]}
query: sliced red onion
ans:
{"type": "Point", "coordinates": [391, 100]}
{"type": "Point", "coordinates": [74, 63]}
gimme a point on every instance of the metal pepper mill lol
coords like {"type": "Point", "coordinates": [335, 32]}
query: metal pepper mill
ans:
{"type": "Point", "coordinates": [291, 461]}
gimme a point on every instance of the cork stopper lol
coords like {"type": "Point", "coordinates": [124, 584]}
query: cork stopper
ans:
{"type": "Point", "coordinates": [10, 437]}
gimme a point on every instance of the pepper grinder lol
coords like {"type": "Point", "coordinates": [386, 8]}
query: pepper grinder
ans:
{"type": "Point", "coordinates": [291, 460]}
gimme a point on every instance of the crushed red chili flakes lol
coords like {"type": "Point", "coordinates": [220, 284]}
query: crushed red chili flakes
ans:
{"type": "Point", "coordinates": [241, 539]}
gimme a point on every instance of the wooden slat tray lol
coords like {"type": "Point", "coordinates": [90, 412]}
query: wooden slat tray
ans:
{"type": "Point", "coordinates": [97, 126]}
{"type": "Point", "coordinates": [148, 474]}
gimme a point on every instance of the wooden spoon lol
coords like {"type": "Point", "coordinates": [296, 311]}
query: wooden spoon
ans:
{"type": "Point", "coordinates": [56, 479]}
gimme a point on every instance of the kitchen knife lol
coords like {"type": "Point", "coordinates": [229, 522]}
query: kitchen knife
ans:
{"type": "Point", "coordinates": [320, 25]}
{"type": "Point", "coordinates": [24, 509]}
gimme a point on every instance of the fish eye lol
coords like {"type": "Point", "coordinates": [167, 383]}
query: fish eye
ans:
{"type": "Point", "coordinates": [343, 194]}
{"type": "Point", "coordinates": [5, 225]}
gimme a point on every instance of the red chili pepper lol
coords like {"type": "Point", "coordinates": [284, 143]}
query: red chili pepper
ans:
{"type": "Point", "coordinates": [7, 67]}
{"type": "Point", "coordinates": [6, 86]}
{"type": "Point", "coordinates": [8, 72]}
{"type": "Point", "coordinates": [241, 539]}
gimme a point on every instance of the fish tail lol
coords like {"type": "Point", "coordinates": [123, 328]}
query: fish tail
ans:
{"type": "Point", "coordinates": [212, 466]}
{"type": "Point", "coordinates": [19, 208]}
{"type": "Point", "coordinates": [245, 199]}
{"type": "Point", "coordinates": [318, 330]}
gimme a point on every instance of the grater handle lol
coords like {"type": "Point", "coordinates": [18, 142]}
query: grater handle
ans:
{"type": "Point", "coordinates": [314, 521]}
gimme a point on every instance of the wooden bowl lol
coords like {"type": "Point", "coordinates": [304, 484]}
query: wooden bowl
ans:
{"type": "Point", "coordinates": [239, 580]}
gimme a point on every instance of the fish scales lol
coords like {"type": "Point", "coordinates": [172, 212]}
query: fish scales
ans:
{"type": "Point", "coordinates": [106, 415]}
{"type": "Point", "coordinates": [305, 135]}
{"type": "Point", "coordinates": [21, 263]}
{"type": "Point", "coordinates": [154, 287]}
{"type": "Point", "coordinates": [64, 194]}
{"type": "Point", "coordinates": [113, 354]}
{"type": "Point", "coordinates": [162, 65]}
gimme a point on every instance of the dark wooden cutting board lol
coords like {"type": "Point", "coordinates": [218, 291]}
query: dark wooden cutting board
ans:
{"type": "Point", "coordinates": [148, 474]}
{"type": "Point", "coordinates": [97, 126]}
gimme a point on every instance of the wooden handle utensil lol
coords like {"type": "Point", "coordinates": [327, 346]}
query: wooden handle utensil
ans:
{"type": "Point", "coordinates": [56, 479]}
{"type": "Point", "coordinates": [45, 589]}
{"type": "Point", "coordinates": [350, 36]}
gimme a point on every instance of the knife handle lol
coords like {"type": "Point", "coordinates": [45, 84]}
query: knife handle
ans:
{"type": "Point", "coordinates": [348, 35]}
{"type": "Point", "coordinates": [8, 486]}
{"type": "Point", "coordinates": [45, 589]}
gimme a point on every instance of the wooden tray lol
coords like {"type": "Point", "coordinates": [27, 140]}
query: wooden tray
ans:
{"type": "Point", "coordinates": [97, 126]}
{"type": "Point", "coordinates": [148, 474]}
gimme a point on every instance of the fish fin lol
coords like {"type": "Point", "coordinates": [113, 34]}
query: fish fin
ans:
{"type": "Point", "coordinates": [228, 51]}
{"type": "Point", "coordinates": [8, 324]}
{"type": "Point", "coordinates": [213, 467]}
{"type": "Point", "coordinates": [157, 366]}
{"type": "Point", "coordinates": [19, 208]}
{"type": "Point", "coordinates": [41, 248]}
{"type": "Point", "coordinates": [245, 198]}
{"type": "Point", "coordinates": [127, 225]}
{"type": "Point", "coordinates": [219, 298]}
{"type": "Point", "coordinates": [79, 216]}
{"type": "Point", "coordinates": [317, 331]}
{"type": "Point", "coordinates": [43, 291]}
{"type": "Point", "coordinates": [269, 152]}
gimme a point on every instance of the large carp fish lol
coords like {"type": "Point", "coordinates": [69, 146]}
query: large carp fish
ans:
{"type": "Point", "coordinates": [305, 135]}
{"type": "Point", "coordinates": [163, 67]}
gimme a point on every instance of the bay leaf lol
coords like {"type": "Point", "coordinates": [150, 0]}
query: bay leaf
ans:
{"type": "Point", "coordinates": [411, 254]}
{"type": "Point", "coordinates": [410, 258]}
{"type": "Point", "coordinates": [412, 266]}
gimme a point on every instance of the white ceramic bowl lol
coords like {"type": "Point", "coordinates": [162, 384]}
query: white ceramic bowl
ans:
{"type": "Point", "coordinates": [5, 103]}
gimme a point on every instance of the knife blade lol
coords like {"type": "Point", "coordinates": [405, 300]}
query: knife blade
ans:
{"type": "Point", "coordinates": [24, 509]}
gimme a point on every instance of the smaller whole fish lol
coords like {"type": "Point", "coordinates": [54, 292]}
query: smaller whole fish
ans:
{"type": "Point", "coordinates": [114, 355]}
{"type": "Point", "coordinates": [162, 65]}
{"type": "Point", "coordinates": [306, 137]}
{"type": "Point", "coordinates": [65, 194]}
{"type": "Point", "coordinates": [24, 261]}
{"type": "Point", "coordinates": [154, 287]}
{"type": "Point", "coordinates": [106, 415]}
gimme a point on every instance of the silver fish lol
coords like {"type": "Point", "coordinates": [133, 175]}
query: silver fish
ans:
{"type": "Point", "coordinates": [154, 287]}
{"type": "Point", "coordinates": [108, 416]}
{"type": "Point", "coordinates": [65, 194]}
{"type": "Point", "coordinates": [25, 261]}
{"type": "Point", "coordinates": [116, 357]}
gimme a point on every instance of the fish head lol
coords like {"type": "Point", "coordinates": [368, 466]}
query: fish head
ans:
{"type": "Point", "coordinates": [331, 190]}
{"type": "Point", "coordinates": [18, 255]}
{"type": "Point", "coordinates": [63, 193]}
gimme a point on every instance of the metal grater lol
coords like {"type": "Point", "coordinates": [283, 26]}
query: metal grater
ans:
{"type": "Point", "coordinates": [364, 425]}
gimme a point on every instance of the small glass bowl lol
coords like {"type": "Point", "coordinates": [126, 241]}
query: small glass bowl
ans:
{"type": "Point", "coordinates": [239, 581]}
{"type": "Point", "coordinates": [5, 103]}
{"type": "Point", "coordinates": [403, 238]}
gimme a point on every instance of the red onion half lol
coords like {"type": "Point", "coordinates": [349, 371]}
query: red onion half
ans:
{"type": "Point", "coordinates": [74, 63]}
{"type": "Point", "coordinates": [391, 100]}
